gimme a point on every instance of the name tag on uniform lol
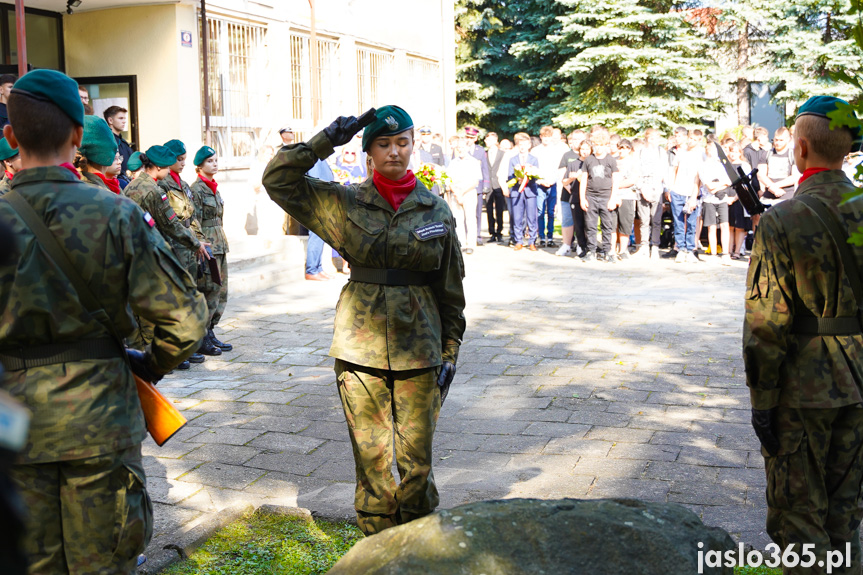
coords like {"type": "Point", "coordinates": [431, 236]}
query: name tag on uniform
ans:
{"type": "Point", "coordinates": [429, 231]}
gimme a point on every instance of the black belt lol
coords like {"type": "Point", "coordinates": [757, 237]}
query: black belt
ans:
{"type": "Point", "coordinates": [212, 222]}
{"type": "Point", "coordinates": [41, 355]}
{"type": "Point", "coordinates": [389, 277]}
{"type": "Point", "coordinates": [810, 325]}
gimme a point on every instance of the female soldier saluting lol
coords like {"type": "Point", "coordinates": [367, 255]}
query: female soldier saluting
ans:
{"type": "Point", "coordinates": [399, 321]}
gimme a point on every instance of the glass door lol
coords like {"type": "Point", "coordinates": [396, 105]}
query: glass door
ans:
{"type": "Point", "coordinates": [122, 91]}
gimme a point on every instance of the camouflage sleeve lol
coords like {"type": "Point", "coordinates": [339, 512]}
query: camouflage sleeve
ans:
{"type": "Point", "coordinates": [198, 202]}
{"type": "Point", "coordinates": [318, 205]}
{"type": "Point", "coordinates": [161, 291]}
{"type": "Point", "coordinates": [169, 223]}
{"type": "Point", "coordinates": [449, 292]}
{"type": "Point", "coordinates": [769, 307]}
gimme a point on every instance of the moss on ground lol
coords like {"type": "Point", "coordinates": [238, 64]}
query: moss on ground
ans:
{"type": "Point", "coordinates": [264, 543]}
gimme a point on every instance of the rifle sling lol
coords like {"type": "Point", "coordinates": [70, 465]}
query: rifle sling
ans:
{"type": "Point", "coordinates": [810, 325]}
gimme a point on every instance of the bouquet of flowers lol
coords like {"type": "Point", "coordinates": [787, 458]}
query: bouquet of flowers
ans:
{"type": "Point", "coordinates": [523, 174]}
{"type": "Point", "coordinates": [341, 176]}
{"type": "Point", "coordinates": [431, 175]}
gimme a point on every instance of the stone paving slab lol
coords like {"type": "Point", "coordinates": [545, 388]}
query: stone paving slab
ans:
{"type": "Point", "coordinates": [575, 380]}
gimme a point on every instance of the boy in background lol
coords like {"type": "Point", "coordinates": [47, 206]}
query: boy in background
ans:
{"type": "Point", "coordinates": [599, 178]}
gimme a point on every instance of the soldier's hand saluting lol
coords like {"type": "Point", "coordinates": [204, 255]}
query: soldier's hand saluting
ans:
{"type": "Point", "coordinates": [343, 129]}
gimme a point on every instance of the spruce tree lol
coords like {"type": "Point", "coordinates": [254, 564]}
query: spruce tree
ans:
{"type": "Point", "coordinates": [632, 64]}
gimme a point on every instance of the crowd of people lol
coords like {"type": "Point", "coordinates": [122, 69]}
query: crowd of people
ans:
{"type": "Point", "coordinates": [617, 198]}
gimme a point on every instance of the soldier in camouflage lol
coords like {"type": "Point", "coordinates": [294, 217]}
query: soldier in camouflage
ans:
{"type": "Point", "coordinates": [399, 321]}
{"type": "Point", "coordinates": [209, 209]}
{"type": "Point", "coordinates": [97, 154]}
{"type": "Point", "coordinates": [11, 162]}
{"type": "Point", "coordinates": [145, 192]}
{"type": "Point", "coordinates": [81, 472]}
{"type": "Point", "coordinates": [803, 349]}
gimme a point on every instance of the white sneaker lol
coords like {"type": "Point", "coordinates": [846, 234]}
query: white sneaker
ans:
{"type": "Point", "coordinates": [641, 252]}
{"type": "Point", "coordinates": [691, 258]}
{"type": "Point", "coordinates": [725, 260]}
{"type": "Point", "coordinates": [681, 258]}
{"type": "Point", "coordinates": [563, 250]}
{"type": "Point", "coordinates": [578, 251]}
{"type": "Point", "coordinates": [654, 252]}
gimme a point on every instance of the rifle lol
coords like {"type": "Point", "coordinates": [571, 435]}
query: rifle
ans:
{"type": "Point", "coordinates": [746, 185]}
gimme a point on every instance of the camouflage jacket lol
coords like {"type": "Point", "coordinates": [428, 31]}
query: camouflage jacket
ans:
{"type": "Point", "coordinates": [94, 179]}
{"type": "Point", "coordinates": [796, 270]}
{"type": "Point", "coordinates": [144, 192]}
{"type": "Point", "coordinates": [385, 327]}
{"type": "Point", "coordinates": [5, 185]}
{"type": "Point", "coordinates": [209, 209]}
{"type": "Point", "coordinates": [87, 408]}
{"type": "Point", "coordinates": [180, 198]}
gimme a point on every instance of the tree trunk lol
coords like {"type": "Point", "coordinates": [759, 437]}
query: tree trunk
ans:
{"type": "Point", "coordinates": [742, 81]}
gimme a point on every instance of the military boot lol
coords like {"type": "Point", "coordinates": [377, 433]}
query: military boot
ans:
{"type": "Point", "coordinates": [196, 358]}
{"type": "Point", "coordinates": [208, 347]}
{"type": "Point", "coordinates": [220, 344]}
{"type": "Point", "coordinates": [184, 365]}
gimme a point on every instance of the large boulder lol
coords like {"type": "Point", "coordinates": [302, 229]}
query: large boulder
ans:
{"type": "Point", "coordinates": [518, 536]}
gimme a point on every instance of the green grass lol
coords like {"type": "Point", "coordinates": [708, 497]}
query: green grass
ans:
{"type": "Point", "coordinates": [756, 571]}
{"type": "Point", "coordinates": [263, 543]}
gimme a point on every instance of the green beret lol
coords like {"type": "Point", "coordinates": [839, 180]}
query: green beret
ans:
{"type": "Point", "coordinates": [134, 164]}
{"type": "Point", "coordinates": [54, 87]}
{"type": "Point", "coordinates": [204, 153]}
{"type": "Point", "coordinates": [822, 106]}
{"type": "Point", "coordinates": [176, 146]}
{"type": "Point", "coordinates": [161, 156]}
{"type": "Point", "coordinates": [7, 151]}
{"type": "Point", "coordinates": [389, 121]}
{"type": "Point", "coordinates": [99, 145]}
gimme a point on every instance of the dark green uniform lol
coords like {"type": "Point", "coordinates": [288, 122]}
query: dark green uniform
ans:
{"type": "Point", "coordinates": [5, 184]}
{"type": "Point", "coordinates": [180, 198]}
{"type": "Point", "coordinates": [144, 191]}
{"type": "Point", "coordinates": [209, 209]}
{"type": "Point", "coordinates": [389, 340]}
{"type": "Point", "coordinates": [813, 381]}
{"type": "Point", "coordinates": [80, 473]}
{"type": "Point", "coordinates": [94, 179]}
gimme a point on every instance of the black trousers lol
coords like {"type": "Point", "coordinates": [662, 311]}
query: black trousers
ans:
{"type": "Point", "coordinates": [597, 210]}
{"type": "Point", "coordinates": [578, 219]}
{"type": "Point", "coordinates": [494, 206]}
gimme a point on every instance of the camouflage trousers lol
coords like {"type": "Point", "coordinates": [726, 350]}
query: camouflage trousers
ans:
{"type": "Point", "coordinates": [86, 516]}
{"type": "Point", "coordinates": [379, 405]}
{"type": "Point", "coordinates": [216, 295]}
{"type": "Point", "coordinates": [814, 483]}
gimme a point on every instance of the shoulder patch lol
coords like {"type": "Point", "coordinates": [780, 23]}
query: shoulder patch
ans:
{"type": "Point", "coordinates": [149, 219]}
{"type": "Point", "coordinates": [432, 230]}
{"type": "Point", "coordinates": [164, 197]}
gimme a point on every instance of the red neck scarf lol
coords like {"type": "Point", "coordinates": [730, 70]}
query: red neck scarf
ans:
{"type": "Point", "coordinates": [112, 183]}
{"type": "Point", "coordinates": [72, 169]}
{"type": "Point", "coordinates": [9, 175]}
{"type": "Point", "coordinates": [394, 191]}
{"type": "Point", "coordinates": [210, 183]}
{"type": "Point", "coordinates": [810, 172]}
{"type": "Point", "coordinates": [176, 177]}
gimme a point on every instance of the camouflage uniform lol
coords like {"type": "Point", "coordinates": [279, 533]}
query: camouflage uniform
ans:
{"type": "Point", "coordinates": [389, 340]}
{"type": "Point", "coordinates": [5, 185]}
{"type": "Point", "coordinates": [209, 208]}
{"type": "Point", "coordinates": [146, 193]}
{"type": "Point", "coordinates": [94, 179]}
{"type": "Point", "coordinates": [80, 473]}
{"type": "Point", "coordinates": [180, 198]}
{"type": "Point", "coordinates": [813, 381]}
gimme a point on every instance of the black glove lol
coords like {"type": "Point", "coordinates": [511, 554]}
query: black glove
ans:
{"type": "Point", "coordinates": [764, 424]}
{"type": "Point", "coordinates": [447, 372]}
{"type": "Point", "coordinates": [138, 361]}
{"type": "Point", "coordinates": [342, 130]}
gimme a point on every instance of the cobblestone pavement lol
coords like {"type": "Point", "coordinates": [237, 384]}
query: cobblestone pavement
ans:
{"type": "Point", "coordinates": [574, 380]}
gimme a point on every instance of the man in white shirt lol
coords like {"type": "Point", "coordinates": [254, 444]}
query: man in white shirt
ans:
{"type": "Point", "coordinates": [548, 154]}
{"type": "Point", "coordinates": [465, 172]}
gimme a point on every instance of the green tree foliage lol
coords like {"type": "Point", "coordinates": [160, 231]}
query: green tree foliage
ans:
{"type": "Point", "coordinates": [632, 64]}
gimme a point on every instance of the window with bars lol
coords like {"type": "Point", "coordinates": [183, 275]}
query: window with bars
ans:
{"type": "Point", "coordinates": [426, 103]}
{"type": "Point", "coordinates": [327, 73]}
{"type": "Point", "coordinates": [375, 78]}
{"type": "Point", "coordinates": [236, 60]}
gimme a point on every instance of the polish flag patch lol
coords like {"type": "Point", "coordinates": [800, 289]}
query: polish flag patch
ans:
{"type": "Point", "coordinates": [164, 197]}
{"type": "Point", "coordinates": [149, 219]}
